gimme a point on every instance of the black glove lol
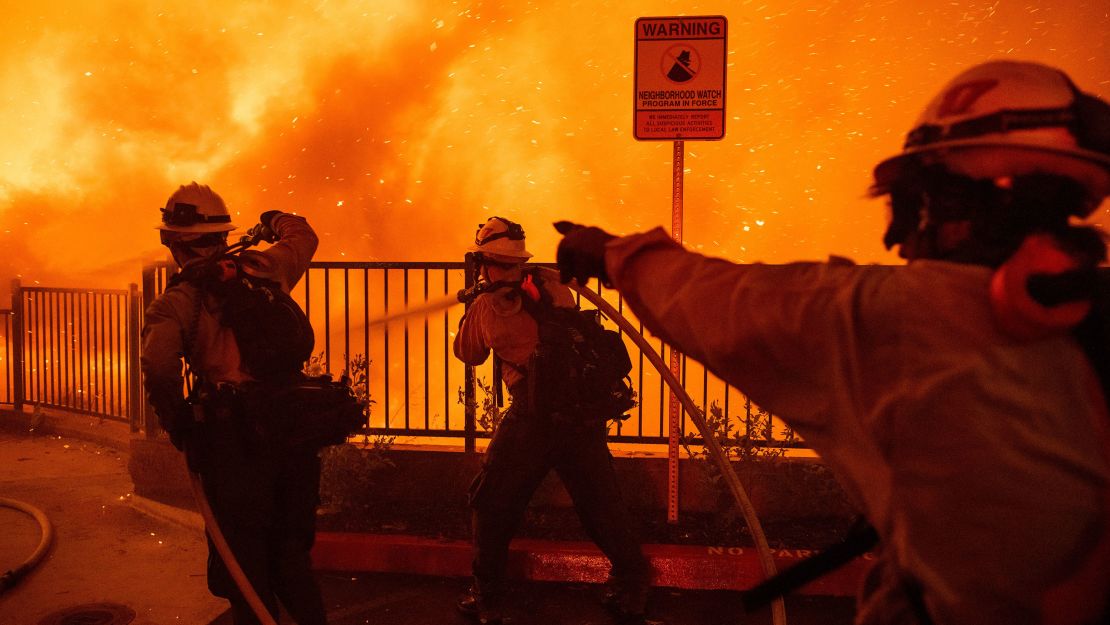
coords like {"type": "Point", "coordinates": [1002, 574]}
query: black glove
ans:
{"type": "Point", "coordinates": [581, 253]}
{"type": "Point", "coordinates": [265, 228]}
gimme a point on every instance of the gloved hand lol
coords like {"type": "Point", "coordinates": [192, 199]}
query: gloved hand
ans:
{"type": "Point", "coordinates": [265, 229]}
{"type": "Point", "coordinates": [581, 253]}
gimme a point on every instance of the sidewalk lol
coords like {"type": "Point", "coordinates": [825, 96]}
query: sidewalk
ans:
{"type": "Point", "coordinates": [105, 552]}
{"type": "Point", "coordinates": [118, 559]}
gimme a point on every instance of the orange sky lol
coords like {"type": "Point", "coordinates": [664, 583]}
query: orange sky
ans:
{"type": "Point", "coordinates": [397, 126]}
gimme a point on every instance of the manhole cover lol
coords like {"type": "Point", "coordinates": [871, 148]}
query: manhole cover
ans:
{"type": "Point", "coordinates": [91, 614]}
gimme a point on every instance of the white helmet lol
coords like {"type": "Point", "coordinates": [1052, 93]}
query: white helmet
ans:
{"type": "Point", "coordinates": [195, 208]}
{"type": "Point", "coordinates": [500, 237]}
{"type": "Point", "coordinates": [1006, 119]}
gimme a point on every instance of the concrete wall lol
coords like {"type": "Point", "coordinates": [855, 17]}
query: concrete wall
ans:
{"type": "Point", "coordinates": [782, 490]}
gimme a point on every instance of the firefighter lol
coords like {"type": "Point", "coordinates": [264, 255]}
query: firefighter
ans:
{"type": "Point", "coordinates": [264, 502]}
{"type": "Point", "coordinates": [957, 398]}
{"type": "Point", "coordinates": [528, 443]}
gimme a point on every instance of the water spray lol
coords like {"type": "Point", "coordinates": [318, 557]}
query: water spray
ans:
{"type": "Point", "coordinates": [732, 481]}
{"type": "Point", "coordinates": [736, 488]}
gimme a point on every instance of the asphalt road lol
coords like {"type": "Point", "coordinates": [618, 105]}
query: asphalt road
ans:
{"type": "Point", "coordinates": [380, 599]}
{"type": "Point", "coordinates": [106, 552]}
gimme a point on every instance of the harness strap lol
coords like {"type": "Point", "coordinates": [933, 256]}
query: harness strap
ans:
{"type": "Point", "coordinates": [861, 538]}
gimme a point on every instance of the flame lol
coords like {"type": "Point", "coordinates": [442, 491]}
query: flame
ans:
{"type": "Point", "coordinates": [397, 126]}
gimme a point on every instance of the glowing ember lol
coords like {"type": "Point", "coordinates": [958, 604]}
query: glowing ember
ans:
{"type": "Point", "coordinates": [397, 126]}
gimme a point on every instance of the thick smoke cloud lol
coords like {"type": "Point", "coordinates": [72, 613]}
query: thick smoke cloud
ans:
{"type": "Point", "coordinates": [397, 127]}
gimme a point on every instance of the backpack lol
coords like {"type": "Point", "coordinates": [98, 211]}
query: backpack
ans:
{"type": "Point", "coordinates": [285, 409]}
{"type": "Point", "coordinates": [579, 369]}
{"type": "Point", "coordinates": [273, 334]}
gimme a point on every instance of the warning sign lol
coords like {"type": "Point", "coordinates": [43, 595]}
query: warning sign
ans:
{"type": "Point", "coordinates": [680, 77]}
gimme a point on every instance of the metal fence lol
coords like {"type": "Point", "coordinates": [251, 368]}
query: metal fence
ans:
{"type": "Point", "coordinates": [72, 349]}
{"type": "Point", "coordinates": [80, 352]}
{"type": "Point", "coordinates": [420, 390]}
{"type": "Point", "coordinates": [7, 383]}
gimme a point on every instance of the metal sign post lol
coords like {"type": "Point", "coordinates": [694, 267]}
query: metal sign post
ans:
{"type": "Point", "coordinates": [675, 415]}
{"type": "Point", "coordinates": [679, 94]}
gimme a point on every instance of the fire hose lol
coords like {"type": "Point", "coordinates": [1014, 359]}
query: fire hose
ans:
{"type": "Point", "coordinates": [220, 542]}
{"type": "Point", "coordinates": [778, 608]}
{"type": "Point", "coordinates": [12, 577]}
{"type": "Point", "coordinates": [736, 488]}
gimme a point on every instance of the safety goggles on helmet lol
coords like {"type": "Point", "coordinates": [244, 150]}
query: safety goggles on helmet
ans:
{"type": "Point", "coordinates": [1087, 119]}
{"type": "Point", "coordinates": [513, 232]}
{"type": "Point", "coordinates": [182, 214]}
{"type": "Point", "coordinates": [501, 238]}
{"type": "Point", "coordinates": [1004, 119]}
{"type": "Point", "coordinates": [195, 208]}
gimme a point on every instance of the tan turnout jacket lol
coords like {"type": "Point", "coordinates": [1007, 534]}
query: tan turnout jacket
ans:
{"type": "Point", "coordinates": [171, 317]}
{"type": "Point", "coordinates": [980, 459]}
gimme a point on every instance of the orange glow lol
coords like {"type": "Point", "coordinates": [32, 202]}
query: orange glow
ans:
{"type": "Point", "coordinates": [398, 126]}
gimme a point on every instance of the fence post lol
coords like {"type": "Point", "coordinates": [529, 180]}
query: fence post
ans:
{"type": "Point", "coordinates": [16, 340]}
{"type": "Point", "coordinates": [470, 427]}
{"type": "Point", "coordinates": [149, 292]}
{"type": "Point", "coordinates": [134, 379]}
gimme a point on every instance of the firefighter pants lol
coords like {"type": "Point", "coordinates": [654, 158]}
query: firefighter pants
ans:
{"type": "Point", "coordinates": [265, 504]}
{"type": "Point", "coordinates": [524, 448]}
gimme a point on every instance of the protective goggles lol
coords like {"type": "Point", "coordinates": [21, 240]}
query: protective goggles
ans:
{"type": "Point", "coordinates": [183, 215]}
{"type": "Point", "coordinates": [1085, 118]}
{"type": "Point", "coordinates": [514, 232]}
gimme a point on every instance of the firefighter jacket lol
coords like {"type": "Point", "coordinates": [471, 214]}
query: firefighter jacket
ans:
{"type": "Point", "coordinates": [980, 459]}
{"type": "Point", "coordinates": [497, 321]}
{"type": "Point", "coordinates": [177, 314]}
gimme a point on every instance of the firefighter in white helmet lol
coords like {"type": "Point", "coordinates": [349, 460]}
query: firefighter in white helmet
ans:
{"type": "Point", "coordinates": [961, 399]}
{"type": "Point", "coordinates": [531, 441]}
{"type": "Point", "coordinates": [264, 501]}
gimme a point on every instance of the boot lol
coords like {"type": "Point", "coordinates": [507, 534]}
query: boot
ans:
{"type": "Point", "coordinates": [478, 606]}
{"type": "Point", "coordinates": [626, 598]}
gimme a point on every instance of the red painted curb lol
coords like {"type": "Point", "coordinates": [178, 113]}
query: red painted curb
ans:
{"type": "Point", "coordinates": [677, 566]}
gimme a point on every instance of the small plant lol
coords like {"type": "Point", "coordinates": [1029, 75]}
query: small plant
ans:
{"type": "Point", "coordinates": [489, 416]}
{"type": "Point", "coordinates": [353, 468]}
{"type": "Point", "coordinates": [359, 382]}
{"type": "Point", "coordinates": [315, 366]}
{"type": "Point", "coordinates": [744, 439]}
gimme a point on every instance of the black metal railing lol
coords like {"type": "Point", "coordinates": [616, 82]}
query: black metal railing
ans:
{"type": "Point", "coordinates": [71, 349]}
{"type": "Point", "coordinates": [80, 351]}
{"type": "Point", "coordinates": [420, 390]}
{"type": "Point", "coordinates": [7, 381]}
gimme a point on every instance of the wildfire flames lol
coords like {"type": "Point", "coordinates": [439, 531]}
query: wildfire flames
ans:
{"type": "Point", "coordinates": [397, 126]}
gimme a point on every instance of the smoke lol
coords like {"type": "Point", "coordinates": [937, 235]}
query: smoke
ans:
{"type": "Point", "coordinates": [397, 127]}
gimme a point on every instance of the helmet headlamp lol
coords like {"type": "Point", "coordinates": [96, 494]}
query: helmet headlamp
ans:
{"type": "Point", "coordinates": [183, 214]}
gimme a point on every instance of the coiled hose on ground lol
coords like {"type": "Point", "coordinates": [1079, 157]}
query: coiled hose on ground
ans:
{"type": "Point", "coordinates": [11, 578]}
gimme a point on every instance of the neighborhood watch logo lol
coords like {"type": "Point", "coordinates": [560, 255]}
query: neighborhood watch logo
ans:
{"type": "Point", "coordinates": [683, 64]}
